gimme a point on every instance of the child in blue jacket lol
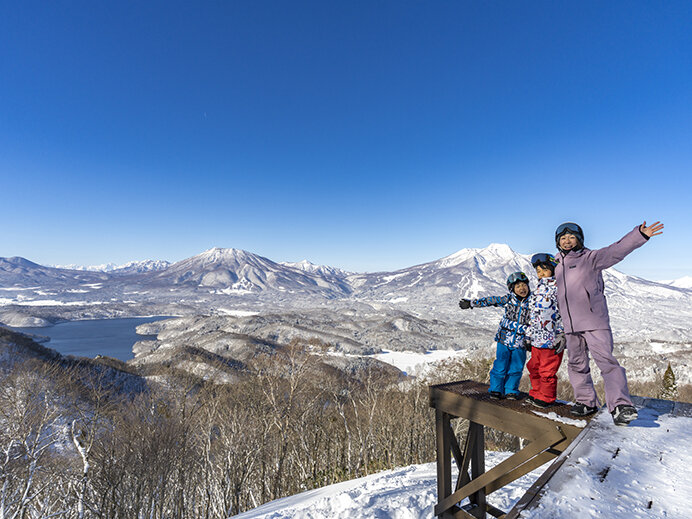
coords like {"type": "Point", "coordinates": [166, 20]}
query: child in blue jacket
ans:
{"type": "Point", "coordinates": [511, 354]}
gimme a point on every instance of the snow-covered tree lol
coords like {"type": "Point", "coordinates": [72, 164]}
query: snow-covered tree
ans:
{"type": "Point", "coordinates": [669, 390]}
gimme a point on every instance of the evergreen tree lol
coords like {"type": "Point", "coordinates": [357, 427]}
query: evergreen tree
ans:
{"type": "Point", "coordinates": [669, 391]}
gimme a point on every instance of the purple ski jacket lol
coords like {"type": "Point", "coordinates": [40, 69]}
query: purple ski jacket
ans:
{"type": "Point", "coordinates": [580, 283]}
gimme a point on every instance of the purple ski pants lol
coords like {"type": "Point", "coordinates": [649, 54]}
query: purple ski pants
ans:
{"type": "Point", "coordinates": [600, 344]}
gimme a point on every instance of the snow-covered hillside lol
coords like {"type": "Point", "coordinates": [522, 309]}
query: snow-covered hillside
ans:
{"type": "Point", "coordinates": [683, 282]}
{"type": "Point", "coordinates": [413, 309]}
{"type": "Point", "coordinates": [405, 493]}
{"type": "Point", "coordinates": [238, 272]}
{"type": "Point", "coordinates": [324, 270]}
{"type": "Point", "coordinates": [126, 268]}
{"type": "Point", "coordinates": [650, 481]}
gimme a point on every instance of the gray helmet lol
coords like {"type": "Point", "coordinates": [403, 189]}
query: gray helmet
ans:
{"type": "Point", "coordinates": [515, 278]}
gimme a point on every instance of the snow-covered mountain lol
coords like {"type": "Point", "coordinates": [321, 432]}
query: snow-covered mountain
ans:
{"type": "Point", "coordinates": [130, 267]}
{"type": "Point", "coordinates": [238, 272]}
{"type": "Point", "coordinates": [412, 309]}
{"type": "Point", "coordinates": [468, 272]}
{"type": "Point", "coordinates": [224, 279]}
{"type": "Point", "coordinates": [22, 273]}
{"type": "Point", "coordinates": [323, 270]}
{"type": "Point", "coordinates": [683, 282]}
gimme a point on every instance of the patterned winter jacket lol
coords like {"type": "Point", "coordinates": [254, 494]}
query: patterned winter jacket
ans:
{"type": "Point", "coordinates": [545, 320]}
{"type": "Point", "coordinates": [515, 320]}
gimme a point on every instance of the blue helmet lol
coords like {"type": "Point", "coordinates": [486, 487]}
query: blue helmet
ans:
{"type": "Point", "coordinates": [569, 228]}
{"type": "Point", "coordinates": [515, 278]}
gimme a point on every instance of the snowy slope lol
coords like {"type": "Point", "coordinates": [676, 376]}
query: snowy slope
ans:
{"type": "Point", "coordinates": [130, 267]}
{"type": "Point", "coordinates": [21, 272]}
{"type": "Point", "coordinates": [238, 272]}
{"type": "Point", "coordinates": [652, 468]}
{"type": "Point", "coordinates": [683, 282]}
{"type": "Point", "coordinates": [635, 472]}
{"type": "Point", "coordinates": [224, 280]}
{"type": "Point", "coordinates": [324, 270]}
{"type": "Point", "coordinates": [405, 493]}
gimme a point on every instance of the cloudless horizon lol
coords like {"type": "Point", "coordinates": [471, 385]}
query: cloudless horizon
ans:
{"type": "Point", "coordinates": [367, 136]}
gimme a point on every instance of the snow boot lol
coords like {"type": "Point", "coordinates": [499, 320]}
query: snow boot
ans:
{"type": "Point", "coordinates": [512, 396]}
{"type": "Point", "coordinates": [495, 395]}
{"type": "Point", "coordinates": [624, 414]}
{"type": "Point", "coordinates": [582, 410]}
{"type": "Point", "coordinates": [541, 403]}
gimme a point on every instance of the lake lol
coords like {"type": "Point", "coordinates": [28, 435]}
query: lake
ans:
{"type": "Point", "coordinates": [108, 337]}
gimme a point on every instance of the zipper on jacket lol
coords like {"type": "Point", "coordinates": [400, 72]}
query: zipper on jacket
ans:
{"type": "Point", "coordinates": [516, 332]}
{"type": "Point", "coordinates": [564, 282]}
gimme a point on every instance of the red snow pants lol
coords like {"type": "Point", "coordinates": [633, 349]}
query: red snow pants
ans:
{"type": "Point", "coordinates": [543, 366]}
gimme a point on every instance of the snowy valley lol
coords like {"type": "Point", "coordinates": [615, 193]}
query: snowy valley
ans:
{"type": "Point", "coordinates": [248, 300]}
{"type": "Point", "coordinates": [292, 370]}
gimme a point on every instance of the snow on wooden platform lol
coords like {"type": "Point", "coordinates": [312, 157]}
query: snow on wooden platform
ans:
{"type": "Point", "coordinates": [638, 471]}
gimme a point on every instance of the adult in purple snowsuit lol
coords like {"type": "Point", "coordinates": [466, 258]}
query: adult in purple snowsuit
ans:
{"type": "Point", "coordinates": [584, 312]}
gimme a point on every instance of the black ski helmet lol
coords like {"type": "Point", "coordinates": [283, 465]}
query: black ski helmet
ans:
{"type": "Point", "coordinates": [569, 228]}
{"type": "Point", "coordinates": [545, 260]}
{"type": "Point", "coordinates": [516, 277]}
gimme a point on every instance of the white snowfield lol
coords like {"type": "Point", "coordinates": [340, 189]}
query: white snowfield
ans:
{"type": "Point", "coordinates": [405, 493]}
{"type": "Point", "coordinates": [634, 472]}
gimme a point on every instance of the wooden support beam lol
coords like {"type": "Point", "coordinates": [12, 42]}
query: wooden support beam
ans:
{"type": "Point", "coordinates": [514, 462]}
{"type": "Point", "coordinates": [477, 468]}
{"type": "Point", "coordinates": [458, 456]}
{"type": "Point", "coordinates": [469, 400]}
{"type": "Point", "coordinates": [459, 513]}
{"type": "Point", "coordinates": [495, 512]}
{"type": "Point", "coordinates": [444, 465]}
{"type": "Point", "coordinates": [466, 460]}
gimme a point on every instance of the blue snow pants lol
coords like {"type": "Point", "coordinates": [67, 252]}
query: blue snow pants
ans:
{"type": "Point", "coordinates": [507, 369]}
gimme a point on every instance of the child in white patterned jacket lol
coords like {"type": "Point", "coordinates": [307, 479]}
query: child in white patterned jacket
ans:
{"type": "Point", "coordinates": [545, 334]}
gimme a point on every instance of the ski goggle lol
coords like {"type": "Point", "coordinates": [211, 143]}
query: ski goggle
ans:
{"type": "Point", "coordinates": [516, 277]}
{"type": "Point", "coordinates": [543, 258]}
{"type": "Point", "coordinates": [568, 227]}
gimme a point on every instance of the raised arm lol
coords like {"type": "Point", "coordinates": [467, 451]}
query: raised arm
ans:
{"type": "Point", "coordinates": [609, 256]}
{"type": "Point", "coordinates": [490, 301]}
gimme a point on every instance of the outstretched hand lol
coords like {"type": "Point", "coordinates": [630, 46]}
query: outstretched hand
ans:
{"type": "Point", "coordinates": [653, 230]}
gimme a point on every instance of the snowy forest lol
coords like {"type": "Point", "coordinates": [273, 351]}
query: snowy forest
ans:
{"type": "Point", "coordinates": [77, 447]}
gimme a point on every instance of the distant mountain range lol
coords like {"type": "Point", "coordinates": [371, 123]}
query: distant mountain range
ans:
{"type": "Point", "coordinates": [683, 282]}
{"type": "Point", "coordinates": [232, 302]}
{"type": "Point", "coordinates": [227, 279]}
{"type": "Point", "coordinates": [126, 268]}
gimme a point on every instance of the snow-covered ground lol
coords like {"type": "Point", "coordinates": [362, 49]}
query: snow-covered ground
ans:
{"type": "Point", "coordinates": [413, 363]}
{"type": "Point", "coordinates": [405, 493]}
{"type": "Point", "coordinates": [633, 472]}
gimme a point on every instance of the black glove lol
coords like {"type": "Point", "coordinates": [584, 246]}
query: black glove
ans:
{"type": "Point", "coordinates": [465, 304]}
{"type": "Point", "coordinates": [527, 344]}
{"type": "Point", "coordinates": [559, 343]}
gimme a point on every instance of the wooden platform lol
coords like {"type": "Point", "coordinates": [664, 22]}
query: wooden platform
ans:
{"type": "Point", "coordinates": [549, 432]}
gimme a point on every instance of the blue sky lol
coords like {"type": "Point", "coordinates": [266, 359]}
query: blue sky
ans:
{"type": "Point", "coordinates": [365, 135]}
